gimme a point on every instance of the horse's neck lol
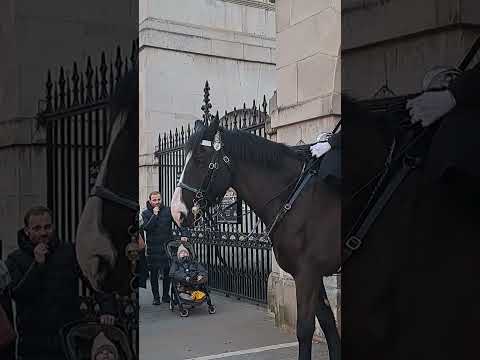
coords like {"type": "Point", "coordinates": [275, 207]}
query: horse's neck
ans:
{"type": "Point", "coordinates": [257, 186]}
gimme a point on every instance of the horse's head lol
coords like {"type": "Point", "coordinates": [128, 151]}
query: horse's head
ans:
{"type": "Point", "coordinates": [104, 237]}
{"type": "Point", "coordinates": [206, 176]}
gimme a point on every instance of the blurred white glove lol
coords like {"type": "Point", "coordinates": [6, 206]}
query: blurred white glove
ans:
{"type": "Point", "coordinates": [320, 148]}
{"type": "Point", "coordinates": [430, 106]}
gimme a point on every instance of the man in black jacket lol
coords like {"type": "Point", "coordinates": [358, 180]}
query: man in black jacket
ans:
{"type": "Point", "coordinates": [157, 223]}
{"type": "Point", "coordinates": [44, 285]}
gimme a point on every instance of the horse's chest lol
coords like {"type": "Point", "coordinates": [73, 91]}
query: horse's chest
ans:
{"type": "Point", "coordinates": [284, 258]}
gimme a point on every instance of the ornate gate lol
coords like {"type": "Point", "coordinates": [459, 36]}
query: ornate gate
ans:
{"type": "Point", "coordinates": [237, 265]}
{"type": "Point", "coordinates": [76, 119]}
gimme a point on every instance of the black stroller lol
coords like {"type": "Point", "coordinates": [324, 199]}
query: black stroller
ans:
{"type": "Point", "coordinates": [79, 336]}
{"type": "Point", "coordinates": [184, 304]}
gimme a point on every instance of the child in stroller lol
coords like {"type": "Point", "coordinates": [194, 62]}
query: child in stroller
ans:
{"type": "Point", "coordinates": [188, 279]}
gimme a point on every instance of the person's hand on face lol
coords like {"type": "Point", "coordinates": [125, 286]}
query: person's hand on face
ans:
{"type": "Point", "coordinates": [40, 231]}
{"type": "Point", "coordinates": [155, 201]}
{"type": "Point", "coordinates": [40, 253]}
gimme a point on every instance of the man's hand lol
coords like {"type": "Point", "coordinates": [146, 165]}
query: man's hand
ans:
{"type": "Point", "coordinates": [40, 252]}
{"type": "Point", "coordinates": [183, 239]}
{"type": "Point", "coordinates": [430, 106]}
{"type": "Point", "coordinates": [199, 278]}
{"type": "Point", "coordinates": [156, 210]}
{"type": "Point", "coordinates": [107, 319]}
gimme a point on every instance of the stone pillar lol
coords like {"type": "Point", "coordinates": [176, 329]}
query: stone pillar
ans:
{"type": "Point", "coordinates": [306, 102]}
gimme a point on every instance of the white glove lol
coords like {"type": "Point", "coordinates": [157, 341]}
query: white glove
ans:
{"type": "Point", "coordinates": [320, 149]}
{"type": "Point", "coordinates": [430, 106]}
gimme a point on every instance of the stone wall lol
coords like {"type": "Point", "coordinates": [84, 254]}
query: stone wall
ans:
{"type": "Point", "coordinates": [306, 103]}
{"type": "Point", "coordinates": [399, 53]}
{"type": "Point", "coordinates": [183, 43]}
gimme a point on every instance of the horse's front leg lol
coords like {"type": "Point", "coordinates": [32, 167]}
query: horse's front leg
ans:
{"type": "Point", "coordinates": [307, 299]}
{"type": "Point", "coordinates": [328, 324]}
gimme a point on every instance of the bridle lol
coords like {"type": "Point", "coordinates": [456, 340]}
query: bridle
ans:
{"type": "Point", "coordinates": [218, 161]}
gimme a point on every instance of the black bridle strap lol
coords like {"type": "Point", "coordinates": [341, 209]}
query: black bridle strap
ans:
{"type": "Point", "coordinates": [106, 194]}
{"type": "Point", "coordinates": [187, 187]}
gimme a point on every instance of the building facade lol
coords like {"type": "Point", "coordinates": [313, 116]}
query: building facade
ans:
{"type": "Point", "coordinates": [183, 43]}
{"type": "Point", "coordinates": [306, 102]}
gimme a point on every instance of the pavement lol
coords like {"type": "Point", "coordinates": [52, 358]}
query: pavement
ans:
{"type": "Point", "coordinates": [239, 330]}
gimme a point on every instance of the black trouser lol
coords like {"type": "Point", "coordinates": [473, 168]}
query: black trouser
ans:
{"type": "Point", "coordinates": [154, 271]}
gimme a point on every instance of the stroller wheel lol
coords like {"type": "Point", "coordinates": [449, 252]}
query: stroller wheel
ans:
{"type": "Point", "coordinates": [184, 313]}
{"type": "Point", "coordinates": [211, 309]}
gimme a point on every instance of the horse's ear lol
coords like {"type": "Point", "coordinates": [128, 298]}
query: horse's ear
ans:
{"type": "Point", "coordinates": [198, 125]}
{"type": "Point", "coordinates": [214, 125]}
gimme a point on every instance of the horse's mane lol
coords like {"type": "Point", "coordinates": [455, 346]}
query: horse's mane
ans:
{"type": "Point", "coordinates": [244, 146]}
{"type": "Point", "coordinates": [125, 96]}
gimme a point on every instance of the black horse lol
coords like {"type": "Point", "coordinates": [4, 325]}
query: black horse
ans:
{"type": "Point", "coordinates": [306, 242]}
{"type": "Point", "coordinates": [403, 289]}
{"type": "Point", "coordinates": [107, 225]}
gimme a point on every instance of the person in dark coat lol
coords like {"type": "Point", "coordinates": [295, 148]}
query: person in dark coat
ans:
{"type": "Point", "coordinates": [157, 224]}
{"type": "Point", "coordinates": [45, 288]}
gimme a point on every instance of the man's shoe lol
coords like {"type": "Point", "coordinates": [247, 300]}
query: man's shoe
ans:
{"type": "Point", "coordinates": [156, 302]}
{"type": "Point", "coordinates": [166, 298]}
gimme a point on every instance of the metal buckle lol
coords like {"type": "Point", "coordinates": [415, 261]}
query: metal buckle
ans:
{"type": "Point", "coordinates": [353, 242]}
{"type": "Point", "coordinates": [226, 159]}
{"type": "Point", "coordinates": [212, 166]}
{"type": "Point", "coordinates": [287, 207]}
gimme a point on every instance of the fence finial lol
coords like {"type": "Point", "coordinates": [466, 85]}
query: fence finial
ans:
{"type": "Point", "coordinates": [61, 85]}
{"type": "Point", "coordinates": [49, 86]}
{"type": "Point", "coordinates": [207, 105]}
{"type": "Point", "coordinates": [103, 76]}
{"type": "Point", "coordinates": [75, 81]}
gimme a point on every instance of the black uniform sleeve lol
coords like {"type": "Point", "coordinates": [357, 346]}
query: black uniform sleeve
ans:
{"type": "Point", "coordinates": [465, 89]}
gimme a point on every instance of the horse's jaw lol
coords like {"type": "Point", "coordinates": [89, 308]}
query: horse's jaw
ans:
{"type": "Point", "coordinates": [95, 254]}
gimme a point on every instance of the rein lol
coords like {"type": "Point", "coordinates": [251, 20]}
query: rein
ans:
{"type": "Point", "coordinates": [373, 208]}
